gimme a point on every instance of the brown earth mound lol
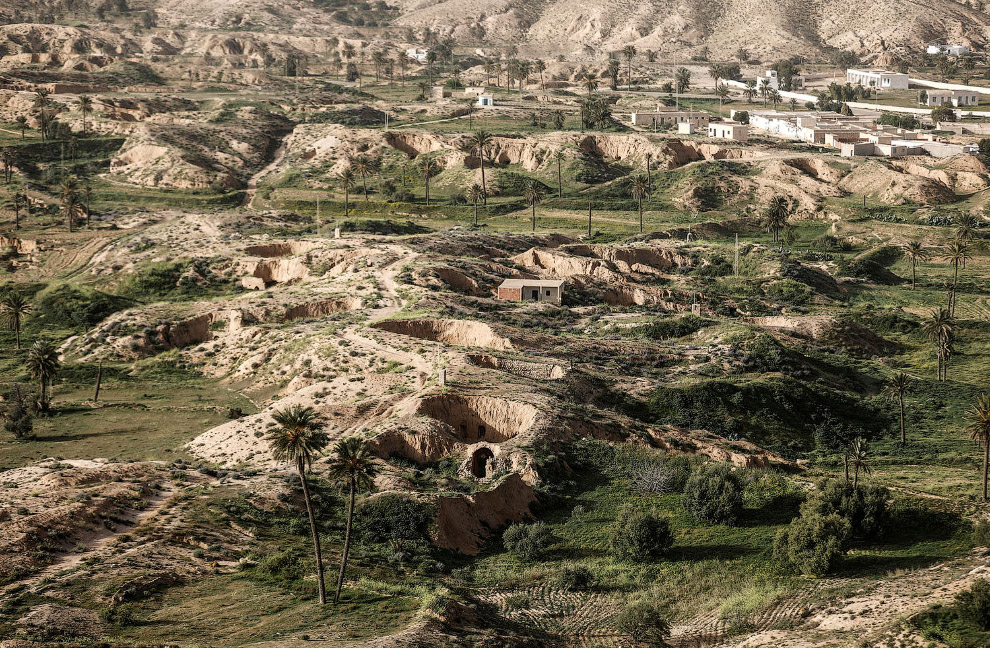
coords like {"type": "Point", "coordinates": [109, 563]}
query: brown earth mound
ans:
{"type": "Point", "coordinates": [889, 184]}
{"type": "Point", "coordinates": [464, 522]}
{"type": "Point", "coordinates": [480, 418]}
{"type": "Point", "coordinates": [448, 331]}
{"type": "Point", "coordinates": [288, 248]}
{"type": "Point", "coordinates": [322, 308]}
{"type": "Point", "coordinates": [534, 370]}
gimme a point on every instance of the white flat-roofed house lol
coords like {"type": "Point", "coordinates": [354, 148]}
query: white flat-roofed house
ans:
{"type": "Point", "coordinates": [416, 54]}
{"type": "Point", "coordinates": [531, 290]}
{"type": "Point", "coordinates": [729, 130]}
{"type": "Point", "coordinates": [663, 118]}
{"type": "Point", "coordinates": [879, 79]}
{"type": "Point", "coordinates": [949, 50]}
{"type": "Point", "coordinates": [955, 98]}
{"type": "Point", "coordinates": [485, 100]}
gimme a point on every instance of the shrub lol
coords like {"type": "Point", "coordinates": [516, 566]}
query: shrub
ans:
{"type": "Point", "coordinates": [645, 622]}
{"type": "Point", "coordinates": [71, 307]}
{"type": "Point", "coordinates": [813, 543]}
{"type": "Point", "coordinates": [865, 507]}
{"type": "Point", "coordinates": [641, 535]}
{"type": "Point", "coordinates": [659, 475]}
{"type": "Point", "coordinates": [974, 604]}
{"type": "Point", "coordinates": [529, 541]}
{"type": "Point", "coordinates": [393, 518]}
{"type": "Point", "coordinates": [674, 327]}
{"type": "Point", "coordinates": [282, 564]}
{"type": "Point", "coordinates": [788, 291]}
{"type": "Point", "coordinates": [120, 614]}
{"type": "Point", "coordinates": [981, 534]}
{"type": "Point", "coordinates": [714, 494]}
{"type": "Point", "coordinates": [574, 577]}
{"type": "Point", "coordinates": [18, 420]}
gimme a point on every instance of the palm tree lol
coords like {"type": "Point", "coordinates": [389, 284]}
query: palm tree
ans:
{"type": "Point", "coordinates": [70, 207]}
{"type": "Point", "coordinates": [346, 178]}
{"type": "Point", "coordinates": [715, 72]}
{"type": "Point", "coordinates": [763, 87]}
{"type": "Point", "coordinates": [979, 431]}
{"type": "Point", "coordinates": [775, 97]}
{"type": "Point", "coordinates": [957, 253]}
{"type": "Point", "coordinates": [776, 214]}
{"type": "Point", "coordinates": [533, 195]}
{"type": "Point", "coordinates": [629, 52]}
{"type": "Point", "coordinates": [682, 79]}
{"type": "Point", "coordinates": [428, 167]}
{"type": "Point", "coordinates": [858, 458]}
{"type": "Point", "coordinates": [639, 189]}
{"type": "Point", "coordinates": [352, 462]}
{"type": "Point", "coordinates": [939, 328]}
{"type": "Point", "coordinates": [43, 364]}
{"type": "Point", "coordinates": [916, 251]}
{"type": "Point", "coordinates": [21, 123]}
{"type": "Point", "coordinates": [898, 385]}
{"type": "Point", "coordinates": [7, 160]}
{"type": "Point", "coordinates": [540, 66]}
{"type": "Point", "coordinates": [792, 102]}
{"type": "Point", "coordinates": [297, 441]}
{"type": "Point", "coordinates": [86, 108]}
{"type": "Point", "coordinates": [17, 200]}
{"type": "Point", "coordinates": [41, 100]}
{"type": "Point", "coordinates": [966, 225]}
{"type": "Point", "coordinates": [589, 82]}
{"type": "Point", "coordinates": [750, 91]}
{"type": "Point", "coordinates": [14, 308]}
{"type": "Point", "coordinates": [474, 194]}
{"type": "Point", "coordinates": [365, 166]}
{"type": "Point", "coordinates": [558, 157]}
{"type": "Point", "coordinates": [481, 141]}
{"type": "Point", "coordinates": [722, 92]}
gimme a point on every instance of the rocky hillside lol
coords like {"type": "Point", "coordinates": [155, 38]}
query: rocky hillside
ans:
{"type": "Point", "coordinates": [766, 28]}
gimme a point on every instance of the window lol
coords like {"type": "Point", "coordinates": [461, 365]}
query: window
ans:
{"type": "Point", "coordinates": [548, 293]}
{"type": "Point", "coordinates": [536, 294]}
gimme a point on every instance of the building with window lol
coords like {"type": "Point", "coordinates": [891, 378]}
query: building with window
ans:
{"type": "Point", "coordinates": [879, 79]}
{"type": "Point", "coordinates": [665, 118]}
{"type": "Point", "coordinates": [531, 290]}
{"type": "Point", "coordinates": [955, 98]}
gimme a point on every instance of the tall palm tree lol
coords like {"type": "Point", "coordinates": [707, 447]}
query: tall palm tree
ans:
{"type": "Point", "coordinates": [639, 190]}
{"type": "Point", "coordinates": [533, 195]}
{"type": "Point", "coordinates": [297, 441]}
{"type": "Point", "coordinates": [17, 200]}
{"type": "Point", "coordinates": [979, 431]}
{"type": "Point", "coordinates": [21, 123]}
{"type": "Point", "coordinates": [86, 108]}
{"type": "Point", "coordinates": [775, 97]}
{"type": "Point", "coordinates": [365, 166]}
{"type": "Point", "coordinates": [14, 308]}
{"type": "Point", "coordinates": [722, 92]}
{"type": "Point", "coordinates": [917, 252]}
{"type": "Point", "coordinates": [481, 141]}
{"type": "Point", "coordinates": [558, 157]}
{"type": "Point", "coordinates": [71, 207]}
{"type": "Point", "coordinates": [428, 167]}
{"type": "Point", "coordinates": [750, 91]}
{"type": "Point", "coordinates": [352, 463]}
{"type": "Point", "coordinates": [346, 179]}
{"type": "Point", "coordinates": [7, 159]}
{"type": "Point", "coordinates": [939, 328]}
{"type": "Point", "coordinates": [590, 82]}
{"type": "Point", "coordinates": [966, 225]}
{"type": "Point", "coordinates": [956, 254]}
{"type": "Point", "coordinates": [763, 87]}
{"type": "Point", "coordinates": [43, 364]}
{"type": "Point", "coordinates": [540, 66]}
{"type": "Point", "coordinates": [474, 194]}
{"type": "Point", "coordinates": [682, 79]}
{"type": "Point", "coordinates": [898, 385]}
{"type": "Point", "coordinates": [775, 215]}
{"type": "Point", "coordinates": [858, 458]}
{"type": "Point", "coordinates": [629, 52]}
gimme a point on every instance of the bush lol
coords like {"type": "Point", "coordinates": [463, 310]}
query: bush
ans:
{"type": "Point", "coordinates": [865, 507]}
{"type": "Point", "coordinates": [813, 543]}
{"type": "Point", "coordinates": [120, 614]}
{"type": "Point", "coordinates": [714, 494]}
{"type": "Point", "coordinates": [71, 307]}
{"type": "Point", "coordinates": [283, 564]}
{"type": "Point", "coordinates": [644, 622]}
{"type": "Point", "coordinates": [393, 518]}
{"type": "Point", "coordinates": [981, 534]}
{"type": "Point", "coordinates": [529, 541]}
{"type": "Point", "coordinates": [18, 420]}
{"type": "Point", "coordinates": [676, 327]}
{"type": "Point", "coordinates": [574, 577]}
{"type": "Point", "coordinates": [641, 535]}
{"type": "Point", "coordinates": [974, 604]}
{"type": "Point", "coordinates": [659, 475]}
{"type": "Point", "coordinates": [788, 291]}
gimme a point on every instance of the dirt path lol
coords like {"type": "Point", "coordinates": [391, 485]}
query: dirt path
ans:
{"type": "Point", "coordinates": [94, 542]}
{"type": "Point", "coordinates": [252, 183]}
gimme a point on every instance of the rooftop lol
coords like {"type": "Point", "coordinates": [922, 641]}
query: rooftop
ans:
{"type": "Point", "coordinates": [542, 283]}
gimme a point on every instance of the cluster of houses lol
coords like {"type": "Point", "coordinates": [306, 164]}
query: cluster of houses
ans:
{"type": "Point", "coordinates": [689, 122]}
{"type": "Point", "coordinates": [949, 50]}
{"type": "Point", "coordinates": [853, 135]}
{"type": "Point", "coordinates": [484, 99]}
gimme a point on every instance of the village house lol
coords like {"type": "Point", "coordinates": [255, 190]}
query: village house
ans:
{"type": "Point", "coordinates": [879, 79]}
{"type": "Point", "coordinates": [949, 50]}
{"type": "Point", "coordinates": [955, 98]}
{"type": "Point", "coordinates": [664, 118]}
{"type": "Point", "coordinates": [440, 92]}
{"type": "Point", "coordinates": [485, 100]}
{"type": "Point", "coordinates": [534, 290]}
{"type": "Point", "coordinates": [729, 130]}
{"type": "Point", "coordinates": [416, 54]}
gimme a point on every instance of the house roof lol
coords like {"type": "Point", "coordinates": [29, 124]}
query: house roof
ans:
{"type": "Point", "coordinates": [526, 283]}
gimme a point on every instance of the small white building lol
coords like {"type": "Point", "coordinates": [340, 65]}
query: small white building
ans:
{"type": "Point", "coordinates": [686, 128]}
{"type": "Point", "coordinates": [663, 118]}
{"type": "Point", "coordinates": [440, 92]}
{"type": "Point", "coordinates": [955, 98]}
{"type": "Point", "coordinates": [878, 79]}
{"type": "Point", "coordinates": [949, 50]}
{"type": "Point", "coordinates": [485, 100]}
{"type": "Point", "coordinates": [416, 54]}
{"type": "Point", "coordinates": [797, 81]}
{"type": "Point", "coordinates": [531, 290]}
{"type": "Point", "coordinates": [474, 91]}
{"type": "Point", "coordinates": [729, 130]}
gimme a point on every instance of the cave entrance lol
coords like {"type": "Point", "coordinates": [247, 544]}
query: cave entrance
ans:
{"type": "Point", "coordinates": [481, 462]}
{"type": "Point", "coordinates": [482, 430]}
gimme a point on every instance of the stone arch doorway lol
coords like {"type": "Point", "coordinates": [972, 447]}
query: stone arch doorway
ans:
{"type": "Point", "coordinates": [481, 462]}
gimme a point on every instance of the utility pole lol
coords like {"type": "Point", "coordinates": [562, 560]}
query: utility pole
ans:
{"type": "Point", "coordinates": [589, 218]}
{"type": "Point", "coordinates": [317, 216]}
{"type": "Point", "coordinates": [99, 380]}
{"type": "Point", "coordinates": [735, 263]}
